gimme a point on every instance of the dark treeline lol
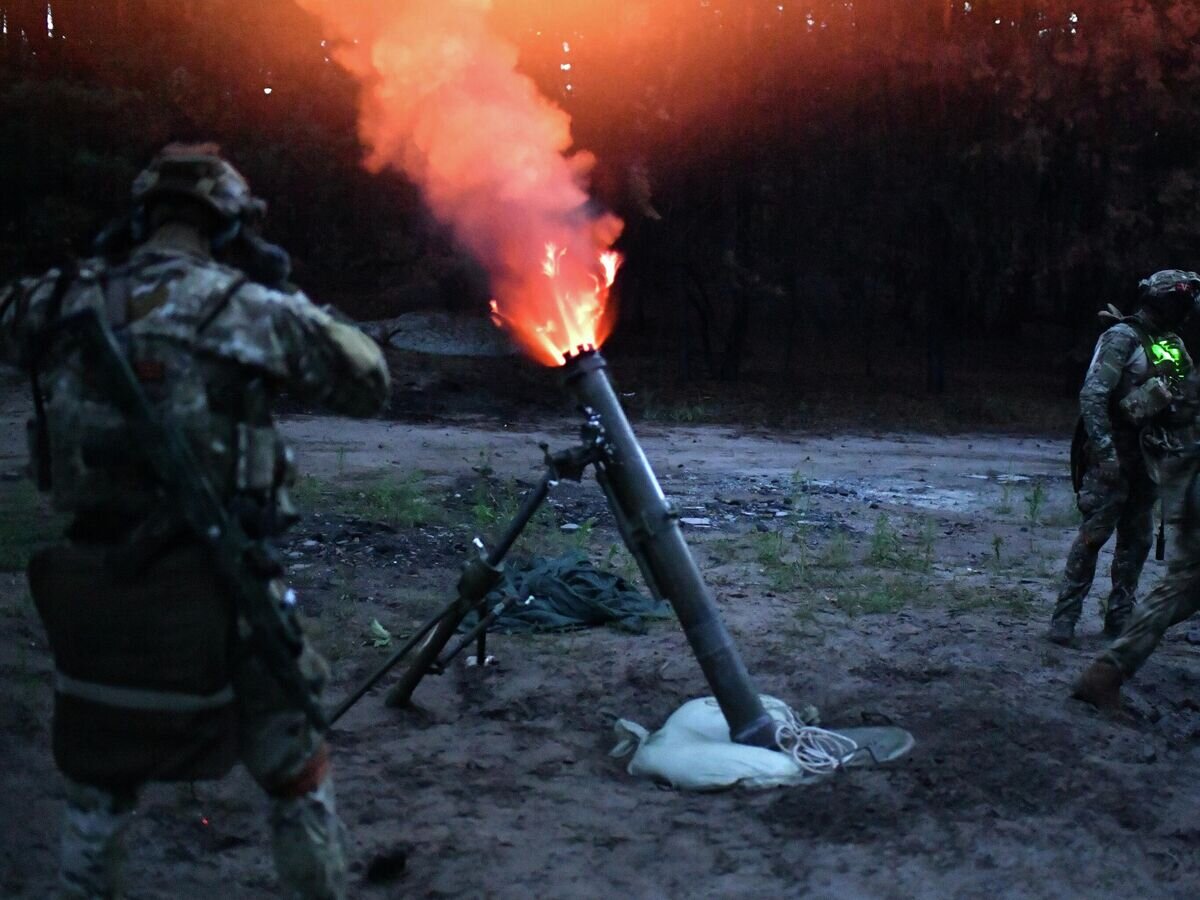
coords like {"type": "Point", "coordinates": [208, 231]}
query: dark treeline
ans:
{"type": "Point", "coordinates": [887, 177]}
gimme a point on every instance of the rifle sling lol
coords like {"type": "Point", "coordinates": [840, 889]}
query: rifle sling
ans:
{"type": "Point", "coordinates": [62, 284]}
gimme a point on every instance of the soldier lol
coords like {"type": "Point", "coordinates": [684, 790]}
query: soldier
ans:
{"type": "Point", "coordinates": [157, 677]}
{"type": "Point", "coordinates": [1137, 365]}
{"type": "Point", "coordinates": [1177, 596]}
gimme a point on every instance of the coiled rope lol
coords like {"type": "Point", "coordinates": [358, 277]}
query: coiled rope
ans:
{"type": "Point", "coordinates": [813, 749]}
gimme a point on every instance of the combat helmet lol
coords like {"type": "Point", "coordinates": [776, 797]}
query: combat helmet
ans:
{"type": "Point", "coordinates": [197, 172]}
{"type": "Point", "coordinates": [1170, 294]}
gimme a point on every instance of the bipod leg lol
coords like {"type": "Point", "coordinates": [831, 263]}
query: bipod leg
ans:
{"type": "Point", "coordinates": [479, 631]}
{"type": "Point", "coordinates": [479, 577]}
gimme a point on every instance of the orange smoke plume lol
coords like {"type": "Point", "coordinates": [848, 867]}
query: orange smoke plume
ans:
{"type": "Point", "coordinates": [443, 102]}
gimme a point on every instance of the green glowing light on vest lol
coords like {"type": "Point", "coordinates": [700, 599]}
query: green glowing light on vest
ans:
{"type": "Point", "coordinates": [1166, 352]}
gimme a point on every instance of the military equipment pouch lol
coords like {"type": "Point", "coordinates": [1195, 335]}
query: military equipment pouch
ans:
{"type": "Point", "coordinates": [143, 687]}
{"type": "Point", "coordinates": [256, 459]}
{"type": "Point", "coordinates": [1144, 403]}
{"type": "Point", "coordinates": [1079, 449]}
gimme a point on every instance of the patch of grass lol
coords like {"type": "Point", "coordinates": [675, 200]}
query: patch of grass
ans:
{"type": "Point", "coordinates": [885, 542]}
{"type": "Point", "coordinates": [495, 501]}
{"type": "Point", "coordinates": [721, 550]}
{"type": "Point", "coordinates": [620, 560]}
{"type": "Point", "coordinates": [678, 412]}
{"type": "Point", "coordinates": [1035, 499]}
{"type": "Point", "coordinates": [26, 523]}
{"type": "Point", "coordinates": [1015, 600]}
{"type": "Point", "coordinates": [1004, 507]}
{"type": "Point", "coordinates": [799, 498]}
{"type": "Point", "coordinates": [837, 554]}
{"type": "Point", "coordinates": [399, 501]}
{"type": "Point", "coordinates": [888, 548]}
{"type": "Point", "coordinates": [771, 552]}
{"type": "Point", "coordinates": [878, 596]}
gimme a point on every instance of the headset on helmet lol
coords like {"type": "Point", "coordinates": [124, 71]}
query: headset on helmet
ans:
{"type": "Point", "coordinates": [199, 173]}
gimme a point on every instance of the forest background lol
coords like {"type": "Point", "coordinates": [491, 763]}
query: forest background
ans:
{"type": "Point", "coordinates": [822, 199]}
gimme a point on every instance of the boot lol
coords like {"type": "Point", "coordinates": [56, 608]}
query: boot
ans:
{"type": "Point", "coordinates": [309, 843]}
{"type": "Point", "coordinates": [1062, 632]}
{"type": "Point", "coordinates": [1100, 685]}
{"type": "Point", "coordinates": [1116, 619]}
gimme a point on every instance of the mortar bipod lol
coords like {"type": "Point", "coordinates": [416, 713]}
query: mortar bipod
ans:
{"type": "Point", "coordinates": [480, 575]}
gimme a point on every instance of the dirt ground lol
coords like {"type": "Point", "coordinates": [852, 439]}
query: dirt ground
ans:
{"type": "Point", "coordinates": [881, 577]}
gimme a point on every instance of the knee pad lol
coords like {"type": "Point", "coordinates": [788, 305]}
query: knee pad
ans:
{"type": "Point", "coordinates": [308, 779]}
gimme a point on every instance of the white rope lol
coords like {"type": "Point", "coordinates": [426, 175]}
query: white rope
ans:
{"type": "Point", "coordinates": [814, 749]}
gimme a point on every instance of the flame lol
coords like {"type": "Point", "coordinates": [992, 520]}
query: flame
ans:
{"type": "Point", "coordinates": [443, 103]}
{"type": "Point", "coordinates": [566, 321]}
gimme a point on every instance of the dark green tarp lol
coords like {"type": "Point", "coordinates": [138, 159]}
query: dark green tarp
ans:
{"type": "Point", "coordinates": [569, 592]}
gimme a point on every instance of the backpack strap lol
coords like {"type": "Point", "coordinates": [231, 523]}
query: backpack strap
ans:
{"type": "Point", "coordinates": [223, 299]}
{"type": "Point", "coordinates": [62, 284]}
{"type": "Point", "coordinates": [1146, 340]}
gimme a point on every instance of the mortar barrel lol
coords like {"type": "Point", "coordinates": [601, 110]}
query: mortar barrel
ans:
{"type": "Point", "coordinates": [658, 544]}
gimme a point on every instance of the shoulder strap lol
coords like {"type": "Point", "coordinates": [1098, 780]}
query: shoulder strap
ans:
{"type": "Point", "coordinates": [1146, 340]}
{"type": "Point", "coordinates": [53, 310]}
{"type": "Point", "coordinates": [223, 299]}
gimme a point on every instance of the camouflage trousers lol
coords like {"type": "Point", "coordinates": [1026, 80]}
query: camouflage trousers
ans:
{"type": "Point", "coordinates": [1177, 596]}
{"type": "Point", "coordinates": [1125, 506]}
{"type": "Point", "coordinates": [287, 758]}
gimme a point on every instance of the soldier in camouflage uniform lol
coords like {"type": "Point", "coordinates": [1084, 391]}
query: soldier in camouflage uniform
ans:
{"type": "Point", "coordinates": [1177, 596]}
{"type": "Point", "coordinates": [1137, 365]}
{"type": "Point", "coordinates": [156, 675]}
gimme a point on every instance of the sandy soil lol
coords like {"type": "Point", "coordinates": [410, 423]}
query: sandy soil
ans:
{"type": "Point", "coordinates": [499, 783]}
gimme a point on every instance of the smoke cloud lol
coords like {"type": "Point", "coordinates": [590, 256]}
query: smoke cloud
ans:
{"type": "Point", "coordinates": [443, 102]}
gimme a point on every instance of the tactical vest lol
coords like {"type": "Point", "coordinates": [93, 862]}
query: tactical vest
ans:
{"type": "Point", "coordinates": [219, 402]}
{"type": "Point", "coordinates": [1163, 357]}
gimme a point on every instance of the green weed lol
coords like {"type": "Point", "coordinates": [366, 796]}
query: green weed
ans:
{"type": "Point", "coordinates": [877, 595]}
{"type": "Point", "coordinates": [1035, 499]}
{"type": "Point", "coordinates": [494, 502]}
{"type": "Point", "coordinates": [399, 501]}
{"type": "Point", "coordinates": [1004, 507]}
{"type": "Point", "coordinates": [885, 543]}
{"type": "Point", "coordinates": [783, 570]}
{"type": "Point", "coordinates": [888, 549]}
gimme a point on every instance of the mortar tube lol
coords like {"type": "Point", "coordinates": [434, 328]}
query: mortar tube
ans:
{"type": "Point", "coordinates": [650, 526]}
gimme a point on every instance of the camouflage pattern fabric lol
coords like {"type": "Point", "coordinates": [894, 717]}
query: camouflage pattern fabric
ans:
{"type": "Point", "coordinates": [1118, 493]}
{"type": "Point", "coordinates": [1119, 366]}
{"type": "Point", "coordinates": [1124, 505]}
{"type": "Point", "coordinates": [201, 349]}
{"type": "Point", "coordinates": [277, 743]}
{"type": "Point", "coordinates": [92, 850]}
{"type": "Point", "coordinates": [308, 841]}
{"type": "Point", "coordinates": [202, 363]}
{"type": "Point", "coordinates": [1177, 596]}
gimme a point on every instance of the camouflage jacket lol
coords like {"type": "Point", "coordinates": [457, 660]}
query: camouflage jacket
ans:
{"type": "Point", "coordinates": [211, 350]}
{"type": "Point", "coordinates": [1119, 366]}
